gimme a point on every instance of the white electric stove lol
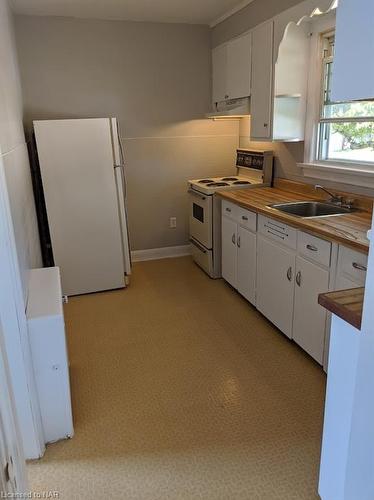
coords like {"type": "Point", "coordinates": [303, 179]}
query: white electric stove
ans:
{"type": "Point", "coordinates": [254, 169]}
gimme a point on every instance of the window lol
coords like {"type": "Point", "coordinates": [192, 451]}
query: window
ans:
{"type": "Point", "coordinates": [346, 129]}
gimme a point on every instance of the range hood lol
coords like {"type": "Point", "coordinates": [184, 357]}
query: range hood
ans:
{"type": "Point", "coordinates": [235, 108]}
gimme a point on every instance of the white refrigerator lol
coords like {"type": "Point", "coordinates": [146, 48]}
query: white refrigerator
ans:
{"type": "Point", "coordinates": [82, 176]}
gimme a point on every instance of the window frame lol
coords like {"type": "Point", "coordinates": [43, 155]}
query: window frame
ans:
{"type": "Point", "coordinates": [354, 173]}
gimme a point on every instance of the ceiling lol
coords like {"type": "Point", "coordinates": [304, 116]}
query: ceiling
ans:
{"type": "Point", "coordinates": [170, 11]}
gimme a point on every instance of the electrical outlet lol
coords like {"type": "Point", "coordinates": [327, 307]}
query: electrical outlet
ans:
{"type": "Point", "coordinates": [173, 222]}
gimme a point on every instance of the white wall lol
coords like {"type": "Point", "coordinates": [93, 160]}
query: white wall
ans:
{"type": "Point", "coordinates": [156, 78]}
{"type": "Point", "coordinates": [14, 152]}
{"type": "Point", "coordinates": [20, 248]}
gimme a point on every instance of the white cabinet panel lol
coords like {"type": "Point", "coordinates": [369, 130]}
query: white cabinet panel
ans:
{"type": "Point", "coordinates": [343, 283]}
{"type": "Point", "coordinates": [309, 317]}
{"type": "Point", "coordinates": [247, 219]}
{"type": "Point", "coordinates": [352, 266]}
{"type": "Point", "coordinates": [278, 231]}
{"type": "Point", "coordinates": [49, 353]}
{"type": "Point", "coordinates": [354, 42]}
{"type": "Point", "coordinates": [219, 62]}
{"type": "Point", "coordinates": [239, 67]}
{"type": "Point", "coordinates": [314, 248]}
{"type": "Point", "coordinates": [246, 269]}
{"type": "Point", "coordinates": [229, 251]}
{"type": "Point", "coordinates": [230, 210]}
{"type": "Point", "coordinates": [275, 283]}
{"type": "Point", "coordinates": [262, 79]}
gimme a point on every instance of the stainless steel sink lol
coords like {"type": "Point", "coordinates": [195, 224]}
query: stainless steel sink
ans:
{"type": "Point", "coordinates": [309, 209]}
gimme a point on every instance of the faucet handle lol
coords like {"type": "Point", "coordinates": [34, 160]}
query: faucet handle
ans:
{"type": "Point", "coordinates": [348, 202]}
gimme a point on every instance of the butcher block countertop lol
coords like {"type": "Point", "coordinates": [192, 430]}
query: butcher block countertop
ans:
{"type": "Point", "coordinates": [348, 229]}
{"type": "Point", "coordinates": [347, 304]}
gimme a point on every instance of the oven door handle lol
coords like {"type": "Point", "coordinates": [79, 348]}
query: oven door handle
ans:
{"type": "Point", "coordinates": [197, 245]}
{"type": "Point", "coordinates": [195, 193]}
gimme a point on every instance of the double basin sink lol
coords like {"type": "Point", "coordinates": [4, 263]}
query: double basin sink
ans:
{"type": "Point", "coordinates": [311, 209]}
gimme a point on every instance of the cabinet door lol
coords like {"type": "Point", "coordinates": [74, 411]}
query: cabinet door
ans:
{"type": "Point", "coordinates": [309, 317]}
{"type": "Point", "coordinates": [246, 277]}
{"type": "Point", "coordinates": [239, 67]}
{"type": "Point", "coordinates": [229, 251]}
{"type": "Point", "coordinates": [344, 283]}
{"type": "Point", "coordinates": [219, 62]}
{"type": "Point", "coordinates": [275, 283]}
{"type": "Point", "coordinates": [262, 81]}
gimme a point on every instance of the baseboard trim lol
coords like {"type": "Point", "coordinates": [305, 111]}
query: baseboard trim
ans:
{"type": "Point", "coordinates": [160, 253]}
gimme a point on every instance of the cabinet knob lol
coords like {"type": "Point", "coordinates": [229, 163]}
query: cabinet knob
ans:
{"type": "Point", "coordinates": [266, 125]}
{"type": "Point", "coordinates": [244, 217]}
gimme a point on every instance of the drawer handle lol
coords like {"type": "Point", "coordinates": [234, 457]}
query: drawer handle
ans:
{"type": "Point", "coordinates": [244, 217]}
{"type": "Point", "coordinates": [358, 266]}
{"type": "Point", "coordinates": [233, 239]}
{"type": "Point", "coordinates": [239, 242]}
{"type": "Point", "coordinates": [312, 248]}
{"type": "Point", "coordinates": [228, 209]}
{"type": "Point", "coordinates": [289, 273]}
{"type": "Point", "coordinates": [298, 278]}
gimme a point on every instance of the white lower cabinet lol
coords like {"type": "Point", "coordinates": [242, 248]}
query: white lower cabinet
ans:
{"type": "Point", "coordinates": [282, 271]}
{"type": "Point", "coordinates": [246, 266]}
{"type": "Point", "coordinates": [309, 322]}
{"type": "Point", "coordinates": [293, 268]}
{"type": "Point", "coordinates": [275, 283]}
{"type": "Point", "coordinates": [351, 270]}
{"type": "Point", "coordinates": [239, 252]}
{"type": "Point", "coordinates": [229, 251]}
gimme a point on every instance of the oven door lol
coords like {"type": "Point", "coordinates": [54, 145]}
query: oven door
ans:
{"type": "Point", "coordinates": [201, 218]}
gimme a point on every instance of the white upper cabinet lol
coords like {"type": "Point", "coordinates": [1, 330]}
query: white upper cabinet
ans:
{"type": "Point", "coordinates": [262, 81]}
{"type": "Point", "coordinates": [232, 69]}
{"type": "Point", "coordinates": [291, 83]}
{"type": "Point", "coordinates": [219, 62]}
{"type": "Point", "coordinates": [353, 75]}
{"type": "Point", "coordinates": [239, 66]}
{"type": "Point", "coordinates": [279, 81]}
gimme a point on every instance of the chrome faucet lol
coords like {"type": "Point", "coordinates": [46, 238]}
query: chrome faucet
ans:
{"type": "Point", "coordinates": [334, 199]}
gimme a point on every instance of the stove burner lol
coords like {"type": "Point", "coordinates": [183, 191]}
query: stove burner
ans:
{"type": "Point", "coordinates": [217, 184]}
{"type": "Point", "coordinates": [229, 179]}
{"type": "Point", "coordinates": [241, 182]}
{"type": "Point", "coordinates": [205, 181]}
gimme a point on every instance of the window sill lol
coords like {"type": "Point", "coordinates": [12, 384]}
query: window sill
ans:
{"type": "Point", "coordinates": [355, 175]}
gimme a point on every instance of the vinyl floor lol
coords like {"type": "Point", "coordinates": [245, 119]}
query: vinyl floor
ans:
{"type": "Point", "coordinates": [181, 391]}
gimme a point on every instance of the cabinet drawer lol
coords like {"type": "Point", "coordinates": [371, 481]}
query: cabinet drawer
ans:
{"type": "Point", "coordinates": [229, 209]}
{"type": "Point", "coordinates": [277, 231]}
{"type": "Point", "coordinates": [352, 264]}
{"type": "Point", "coordinates": [247, 219]}
{"type": "Point", "coordinates": [314, 248]}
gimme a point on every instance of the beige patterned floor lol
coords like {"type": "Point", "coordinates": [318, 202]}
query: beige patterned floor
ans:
{"type": "Point", "coordinates": [181, 390]}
